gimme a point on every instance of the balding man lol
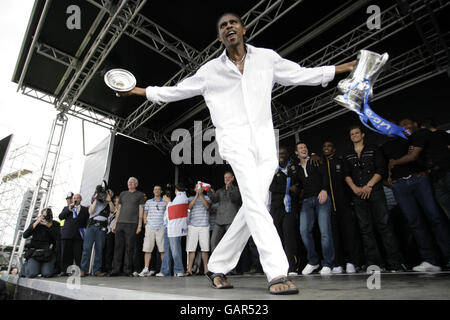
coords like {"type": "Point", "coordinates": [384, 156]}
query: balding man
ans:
{"type": "Point", "coordinates": [72, 233]}
{"type": "Point", "coordinates": [127, 225]}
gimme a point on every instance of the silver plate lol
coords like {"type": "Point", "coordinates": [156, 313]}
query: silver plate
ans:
{"type": "Point", "coordinates": [120, 80]}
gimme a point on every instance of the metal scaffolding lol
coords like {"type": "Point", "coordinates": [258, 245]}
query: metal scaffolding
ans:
{"type": "Point", "coordinates": [18, 175]}
{"type": "Point", "coordinates": [43, 187]}
{"type": "Point", "coordinates": [125, 18]}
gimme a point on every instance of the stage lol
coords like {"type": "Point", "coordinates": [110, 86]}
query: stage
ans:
{"type": "Point", "coordinates": [392, 286]}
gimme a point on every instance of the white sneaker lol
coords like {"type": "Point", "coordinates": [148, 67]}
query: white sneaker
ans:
{"type": "Point", "coordinates": [426, 267]}
{"type": "Point", "coordinates": [160, 274]}
{"type": "Point", "coordinates": [135, 274]}
{"type": "Point", "coordinates": [293, 274]}
{"type": "Point", "coordinates": [309, 269]}
{"type": "Point", "coordinates": [350, 268]}
{"type": "Point", "coordinates": [325, 271]}
{"type": "Point", "coordinates": [337, 270]}
{"type": "Point", "coordinates": [151, 272]}
{"type": "Point", "coordinates": [144, 273]}
{"type": "Point", "coordinates": [179, 275]}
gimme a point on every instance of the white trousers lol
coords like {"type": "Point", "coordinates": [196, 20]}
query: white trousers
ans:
{"type": "Point", "coordinates": [253, 157]}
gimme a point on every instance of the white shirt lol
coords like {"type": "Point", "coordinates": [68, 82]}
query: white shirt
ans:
{"type": "Point", "coordinates": [236, 99]}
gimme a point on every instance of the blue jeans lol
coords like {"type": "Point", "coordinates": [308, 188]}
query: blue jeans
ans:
{"type": "Point", "coordinates": [310, 209]}
{"type": "Point", "coordinates": [94, 236]}
{"type": "Point", "coordinates": [442, 191]}
{"type": "Point", "coordinates": [31, 268]}
{"type": "Point", "coordinates": [414, 196]}
{"type": "Point", "coordinates": [172, 250]}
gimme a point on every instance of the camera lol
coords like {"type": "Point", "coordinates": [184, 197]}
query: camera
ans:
{"type": "Point", "coordinates": [101, 191]}
{"type": "Point", "coordinates": [49, 215]}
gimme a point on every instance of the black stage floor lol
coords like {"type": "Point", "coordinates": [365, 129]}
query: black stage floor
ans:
{"type": "Point", "coordinates": [397, 286]}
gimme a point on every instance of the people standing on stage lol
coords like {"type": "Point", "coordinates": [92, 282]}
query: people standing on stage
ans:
{"type": "Point", "coordinates": [239, 100]}
{"type": "Point", "coordinates": [97, 226]}
{"type": "Point", "coordinates": [41, 253]}
{"type": "Point", "coordinates": [229, 201]}
{"type": "Point", "coordinates": [282, 200]}
{"type": "Point", "coordinates": [108, 252]}
{"type": "Point", "coordinates": [413, 192]}
{"type": "Point", "coordinates": [72, 233]}
{"type": "Point", "coordinates": [175, 223]}
{"type": "Point", "coordinates": [154, 229]}
{"type": "Point", "coordinates": [316, 206]}
{"type": "Point", "coordinates": [431, 146]}
{"type": "Point", "coordinates": [128, 224]}
{"type": "Point", "coordinates": [198, 228]}
{"type": "Point", "coordinates": [364, 169]}
{"type": "Point", "coordinates": [345, 236]}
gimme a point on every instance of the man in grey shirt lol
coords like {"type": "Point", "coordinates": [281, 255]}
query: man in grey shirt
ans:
{"type": "Point", "coordinates": [127, 225]}
{"type": "Point", "coordinates": [229, 200]}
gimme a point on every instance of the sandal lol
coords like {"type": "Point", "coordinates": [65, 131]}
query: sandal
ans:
{"type": "Point", "coordinates": [188, 274]}
{"type": "Point", "coordinates": [283, 280]}
{"type": "Point", "coordinates": [211, 276]}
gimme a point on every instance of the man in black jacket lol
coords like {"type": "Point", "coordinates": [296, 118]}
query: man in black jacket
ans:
{"type": "Point", "coordinates": [345, 237]}
{"type": "Point", "coordinates": [284, 215]}
{"type": "Point", "coordinates": [364, 169]}
{"type": "Point", "coordinates": [72, 233]}
{"type": "Point", "coordinates": [430, 146]}
{"type": "Point", "coordinates": [40, 254]}
{"type": "Point", "coordinates": [316, 205]}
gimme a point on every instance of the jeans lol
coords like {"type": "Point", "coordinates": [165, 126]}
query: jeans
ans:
{"type": "Point", "coordinates": [31, 268]}
{"type": "Point", "coordinates": [310, 209]}
{"type": "Point", "coordinates": [94, 236]}
{"type": "Point", "coordinates": [442, 192]}
{"type": "Point", "coordinates": [414, 196]}
{"type": "Point", "coordinates": [374, 211]}
{"type": "Point", "coordinates": [172, 249]}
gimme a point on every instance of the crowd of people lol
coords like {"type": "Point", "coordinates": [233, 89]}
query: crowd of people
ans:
{"type": "Point", "coordinates": [333, 213]}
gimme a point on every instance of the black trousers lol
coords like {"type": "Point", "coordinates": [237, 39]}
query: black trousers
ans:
{"type": "Point", "coordinates": [138, 256]}
{"type": "Point", "coordinates": [287, 226]}
{"type": "Point", "coordinates": [108, 252]}
{"type": "Point", "coordinates": [125, 241]}
{"type": "Point", "coordinates": [347, 244]}
{"type": "Point", "coordinates": [71, 252]}
{"type": "Point", "coordinates": [58, 257]}
{"type": "Point", "coordinates": [374, 211]}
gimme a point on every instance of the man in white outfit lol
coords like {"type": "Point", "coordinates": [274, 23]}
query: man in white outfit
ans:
{"type": "Point", "coordinates": [237, 89]}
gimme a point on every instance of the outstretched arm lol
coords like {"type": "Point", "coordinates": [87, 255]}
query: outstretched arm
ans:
{"type": "Point", "coordinates": [287, 72]}
{"type": "Point", "coordinates": [187, 88]}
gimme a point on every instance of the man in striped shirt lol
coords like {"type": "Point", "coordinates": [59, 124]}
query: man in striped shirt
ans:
{"type": "Point", "coordinates": [198, 228]}
{"type": "Point", "coordinates": [154, 229]}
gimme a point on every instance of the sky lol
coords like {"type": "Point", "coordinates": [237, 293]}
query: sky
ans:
{"type": "Point", "coordinates": [30, 120]}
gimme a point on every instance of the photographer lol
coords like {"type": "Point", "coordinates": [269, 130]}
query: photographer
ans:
{"type": "Point", "coordinates": [40, 255]}
{"type": "Point", "coordinates": [96, 230]}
